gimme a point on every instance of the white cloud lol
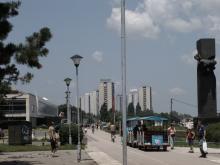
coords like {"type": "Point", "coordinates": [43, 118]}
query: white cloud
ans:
{"type": "Point", "coordinates": [209, 5]}
{"type": "Point", "coordinates": [150, 17]}
{"type": "Point", "coordinates": [98, 56]}
{"type": "Point", "coordinates": [214, 25]}
{"type": "Point", "coordinates": [180, 25]}
{"type": "Point", "coordinates": [177, 91]}
{"type": "Point", "coordinates": [137, 23]}
{"type": "Point", "coordinates": [189, 58]}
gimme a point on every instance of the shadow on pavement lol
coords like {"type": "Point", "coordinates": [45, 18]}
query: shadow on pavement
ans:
{"type": "Point", "coordinates": [19, 162]}
{"type": "Point", "coordinates": [86, 159]}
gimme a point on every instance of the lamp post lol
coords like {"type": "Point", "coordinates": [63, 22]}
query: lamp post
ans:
{"type": "Point", "coordinates": [68, 80]}
{"type": "Point", "coordinates": [76, 60]}
{"type": "Point", "coordinates": [123, 65]}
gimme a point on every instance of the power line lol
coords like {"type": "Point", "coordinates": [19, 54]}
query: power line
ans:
{"type": "Point", "coordinates": [188, 104]}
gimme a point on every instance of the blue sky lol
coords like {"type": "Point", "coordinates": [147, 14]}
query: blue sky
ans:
{"type": "Point", "coordinates": [161, 43]}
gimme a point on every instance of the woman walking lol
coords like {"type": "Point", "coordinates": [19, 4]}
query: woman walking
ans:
{"type": "Point", "coordinates": [52, 137]}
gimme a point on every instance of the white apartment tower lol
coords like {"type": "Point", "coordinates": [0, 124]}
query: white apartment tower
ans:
{"type": "Point", "coordinates": [85, 104]}
{"type": "Point", "coordinates": [118, 103]}
{"type": "Point", "coordinates": [89, 102]}
{"type": "Point", "coordinates": [82, 103]}
{"type": "Point", "coordinates": [94, 102]}
{"type": "Point", "coordinates": [145, 98]}
{"type": "Point", "coordinates": [106, 94]}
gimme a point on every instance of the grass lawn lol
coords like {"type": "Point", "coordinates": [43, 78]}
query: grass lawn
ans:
{"type": "Point", "coordinates": [19, 148]}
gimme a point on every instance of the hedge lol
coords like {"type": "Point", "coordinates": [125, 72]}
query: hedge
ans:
{"type": "Point", "coordinates": [64, 134]}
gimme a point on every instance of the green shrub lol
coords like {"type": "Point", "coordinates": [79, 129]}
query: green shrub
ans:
{"type": "Point", "coordinates": [64, 134]}
{"type": "Point", "coordinates": [213, 132]}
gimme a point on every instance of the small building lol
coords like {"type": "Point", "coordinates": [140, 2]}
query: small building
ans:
{"type": "Point", "coordinates": [27, 107]}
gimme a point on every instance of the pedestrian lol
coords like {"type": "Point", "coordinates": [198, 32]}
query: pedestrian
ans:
{"type": "Point", "coordinates": [201, 137]}
{"type": "Point", "coordinates": [97, 125]}
{"type": "Point", "coordinates": [2, 134]}
{"type": "Point", "coordinates": [52, 137]}
{"type": "Point", "coordinates": [171, 135]}
{"type": "Point", "coordinates": [113, 132]}
{"type": "Point", "coordinates": [57, 139]}
{"type": "Point", "coordinates": [190, 136]}
{"type": "Point", "coordinates": [93, 128]}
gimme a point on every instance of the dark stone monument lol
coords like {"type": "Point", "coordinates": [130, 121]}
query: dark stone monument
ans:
{"type": "Point", "coordinates": [206, 81]}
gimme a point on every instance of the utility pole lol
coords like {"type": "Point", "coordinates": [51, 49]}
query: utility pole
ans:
{"type": "Point", "coordinates": [171, 109]}
{"type": "Point", "coordinates": [123, 65]}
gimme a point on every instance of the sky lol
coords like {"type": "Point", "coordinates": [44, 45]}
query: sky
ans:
{"type": "Point", "coordinates": [161, 40]}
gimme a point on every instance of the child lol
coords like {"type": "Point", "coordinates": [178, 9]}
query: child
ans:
{"type": "Point", "coordinates": [190, 136]}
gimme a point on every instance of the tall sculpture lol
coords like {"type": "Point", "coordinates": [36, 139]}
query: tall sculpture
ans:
{"type": "Point", "coordinates": [206, 81]}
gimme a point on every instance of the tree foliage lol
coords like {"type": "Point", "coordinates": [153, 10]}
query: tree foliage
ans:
{"type": "Point", "coordinates": [131, 110]}
{"type": "Point", "coordinates": [64, 133]}
{"type": "Point", "coordinates": [138, 109]}
{"type": "Point", "coordinates": [213, 133]}
{"type": "Point", "coordinates": [13, 55]}
{"type": "Point", "coordinates": [104, 115]}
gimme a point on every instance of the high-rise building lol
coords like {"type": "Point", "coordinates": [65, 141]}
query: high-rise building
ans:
{"type": "Point", "coordinates": [89, 102]}
{"type": "Point", "coordinates": [145, 98]}
{"type": "Point", "coordinates": [106, 94]}
{"type": "Point", "coordinates": [94, 102]}
{"type": "Point", "coordinates": [118, 103]}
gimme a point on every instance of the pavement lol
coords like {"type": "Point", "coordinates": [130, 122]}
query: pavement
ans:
{"type": "Point", "coordinates": [61, 157]}
{"type": "Point", "coordinates": [90, 156]}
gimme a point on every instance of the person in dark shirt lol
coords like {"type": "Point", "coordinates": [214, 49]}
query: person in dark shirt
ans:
{"type": "Point", "coordinates": [135, 130]}
{"type": "Point", "coordinates": [201, 136]}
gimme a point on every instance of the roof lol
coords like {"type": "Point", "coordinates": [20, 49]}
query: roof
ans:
{"type": "Point", "coordinates": [153, 118]}
{"type": "Point", "coordinates": [150, 118]}
{"type": "Point", "coordinates": [133, 118]}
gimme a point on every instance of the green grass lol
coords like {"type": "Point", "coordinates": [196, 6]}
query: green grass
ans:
{"type": "Point", "coordinates": [20, 148]}
{"type": "Point", "coordinates": [196, 144]}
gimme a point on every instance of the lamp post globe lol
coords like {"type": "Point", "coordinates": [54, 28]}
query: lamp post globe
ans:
{"type": "Point", "coordinates": [67, 81]}
{"type": "Point", "coordinates": [76, 60]}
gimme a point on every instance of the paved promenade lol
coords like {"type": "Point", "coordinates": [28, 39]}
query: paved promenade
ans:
{"type": "Point", "coordinates": [62, 157]}
{"type": "Point", "coordinates": [92, 156]}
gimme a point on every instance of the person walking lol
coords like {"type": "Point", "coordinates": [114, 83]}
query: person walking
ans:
{"type": "Point", "coordinates": [190, 136]}
{"type": "Point", "coordinates": [93, 128]}
{"type": "Point", "coordinates": [52, 137]}
{"type": "Point", "coordinates": [201, 136]}
{"type": "Point", "coordinates": [171, 135]}
{"type": "Point", "coordinates": [113, 132]}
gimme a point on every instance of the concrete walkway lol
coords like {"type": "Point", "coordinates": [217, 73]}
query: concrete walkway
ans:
{"type": "Point", "coordinates": [62, 157]}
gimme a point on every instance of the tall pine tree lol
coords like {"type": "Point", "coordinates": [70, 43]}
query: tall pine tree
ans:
{"type": "Point", "coordinates": [12, 54]}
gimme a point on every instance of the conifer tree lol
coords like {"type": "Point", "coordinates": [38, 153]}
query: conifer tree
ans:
{"type": "Point", "coordinates": [14, 54]}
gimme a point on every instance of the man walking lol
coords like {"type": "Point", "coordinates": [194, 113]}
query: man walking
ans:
{"type": "Point", "coordinates": [201, 137]}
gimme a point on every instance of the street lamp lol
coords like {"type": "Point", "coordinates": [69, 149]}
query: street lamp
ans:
{"type": "Point", "coordinates": [68, 80]}
{"type": "Point", "coordinates": [76, 60]}
{"type": "Point", "coordinates": [123, 65]}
